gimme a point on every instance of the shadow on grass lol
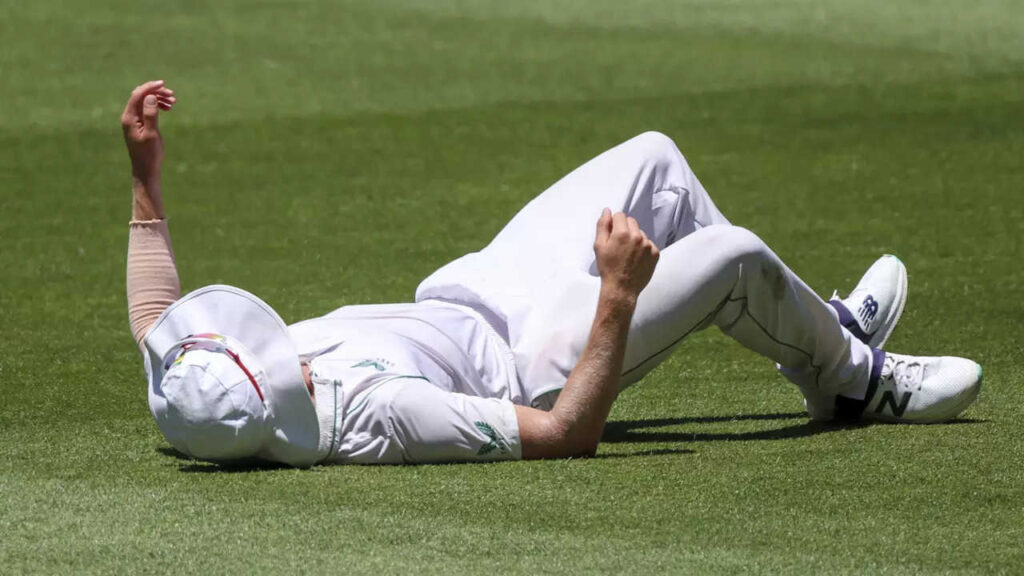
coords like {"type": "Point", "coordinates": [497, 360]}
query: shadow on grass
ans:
{"type": "Point", "coordinates": [621, 431]}
{"type": "Point", "coordinates": [631, 430]}
{"type": "Point", "coordinates": [965, 421]}
{"type": "Point", "coordinates": [189, 464]}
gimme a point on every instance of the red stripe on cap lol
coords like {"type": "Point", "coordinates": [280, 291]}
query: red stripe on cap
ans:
{"type": "Point", "coordinates": [247, 373]}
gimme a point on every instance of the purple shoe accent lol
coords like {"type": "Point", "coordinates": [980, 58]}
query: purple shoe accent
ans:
{"type": "Point", "coordinates": [848, 321]}
{"type": "Point", "coordinates": [848, 409]}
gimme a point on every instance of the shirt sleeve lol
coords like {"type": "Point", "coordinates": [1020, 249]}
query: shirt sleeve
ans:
{"type": "Point", "coordinates": [406, 419]}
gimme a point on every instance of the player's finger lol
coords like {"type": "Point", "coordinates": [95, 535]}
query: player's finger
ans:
{"type": "Point", "coordinates": [141, 91]}
{"type": "Point", "coordinates": [132, 115]}
{"type": "Point", "coordinates": [604, 225]}
{"type": "Point", "coordinates": [651, 247]}
{"type": "Point", "coordinates": [634, 227]}
{"type": "Point", "coordinates": [150, 112]}
{"type": "Point", "coordinates": [619, 223]}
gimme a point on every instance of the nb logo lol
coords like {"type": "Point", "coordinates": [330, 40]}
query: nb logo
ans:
{"type": "Point", "coordinates": [868, 309]}
{"type": "Point", "coordinates": [889, 399]}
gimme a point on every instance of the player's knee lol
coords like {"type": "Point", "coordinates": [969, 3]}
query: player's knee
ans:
{"type": "Point", "coordinates": [738, 243]}
{"type": "Point", "coordinates": [656, 146]}
{"type": "Point", "coordinates": [657, 140]}
{"type": "Point", "coordinates": [654, 149]}
{"type": "Point", "coordinates": [747, 244]}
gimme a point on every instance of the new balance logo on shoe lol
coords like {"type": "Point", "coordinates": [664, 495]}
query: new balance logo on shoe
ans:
{"type": "Point", "coordinates": [868, 309]}
{"type": "Point", "coordinates": [888, 398]}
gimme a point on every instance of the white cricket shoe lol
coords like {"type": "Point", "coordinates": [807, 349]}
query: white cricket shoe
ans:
{"type": "Point", "coordinates": [874, 307]}
{"type": "Point", "coordinates": [921, 389]}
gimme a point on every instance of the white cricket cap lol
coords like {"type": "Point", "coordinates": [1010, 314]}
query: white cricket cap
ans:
{"type": "Point", "coordinates": [226, 383]}
{"type": "Point", "coordinates": [215, 404]}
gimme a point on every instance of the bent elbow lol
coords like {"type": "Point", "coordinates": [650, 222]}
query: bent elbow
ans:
{"type": "Point", "coordinates": [579, 443]}
{"type": "Point", "coordinates": [583, 449]}
{"type": "Point", "coordinates": [545, 435]}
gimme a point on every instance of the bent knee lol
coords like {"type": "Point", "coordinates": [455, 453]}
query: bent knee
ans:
{"type": "Point", "coordinates": [656, 140]}
{"type": "Point", "coordinates": [656, 147]}
{"type": "Point", "coordinates": [736, 242]}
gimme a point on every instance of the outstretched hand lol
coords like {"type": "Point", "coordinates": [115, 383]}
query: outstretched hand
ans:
{"type": "Point", "coordinates": [141, 131]}
{"type": "Point", "coordinates": [625, 255]}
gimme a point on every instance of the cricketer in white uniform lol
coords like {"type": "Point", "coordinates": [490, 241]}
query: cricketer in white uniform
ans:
{"type": "Point", "coordinates": [517, 350]}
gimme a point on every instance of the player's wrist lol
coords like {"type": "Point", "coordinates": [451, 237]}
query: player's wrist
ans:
{"type": "Point", "coordinates": [617, 295]}
{"type": "Point", "coordinates": [145, 175]}
{"type": "Point", "coordinates": [147, 202]}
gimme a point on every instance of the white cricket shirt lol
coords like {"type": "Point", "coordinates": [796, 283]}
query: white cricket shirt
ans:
{"type": "Point", "coordinates": [423, 382]}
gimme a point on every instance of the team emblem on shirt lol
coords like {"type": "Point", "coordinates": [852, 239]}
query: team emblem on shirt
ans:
{"type": "Point", "coordinates": [378, 363]}
{"type": "Point", "coordinates": [497, 442]}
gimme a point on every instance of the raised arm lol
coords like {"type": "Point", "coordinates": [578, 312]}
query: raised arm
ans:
{"type": "Point", "coordinates": [152, 278]}
{"type": "Point", "coordinates": [625, 260]}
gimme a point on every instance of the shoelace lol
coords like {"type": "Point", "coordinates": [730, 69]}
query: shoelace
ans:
{"type": "Point", "coordinates": [905, 373]}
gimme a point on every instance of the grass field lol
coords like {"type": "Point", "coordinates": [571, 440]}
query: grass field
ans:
{"type": "Point", "coordinates": [333, 153]}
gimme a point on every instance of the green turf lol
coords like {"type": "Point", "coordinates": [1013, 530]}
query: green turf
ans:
{"type": "Point", "coordinates": [331, 153]}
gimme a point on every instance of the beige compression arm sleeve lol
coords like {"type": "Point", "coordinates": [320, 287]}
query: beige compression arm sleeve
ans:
{"type": "Point", "coordinates": [152, 276]}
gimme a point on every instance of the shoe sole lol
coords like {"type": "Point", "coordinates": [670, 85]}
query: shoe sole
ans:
{"type": "Point", "coordinates": [879, 338]}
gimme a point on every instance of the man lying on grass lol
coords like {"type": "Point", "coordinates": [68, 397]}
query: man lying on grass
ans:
{"type": "Point", "coordinates": [516, 351]}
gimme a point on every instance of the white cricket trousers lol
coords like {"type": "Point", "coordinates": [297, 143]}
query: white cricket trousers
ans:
{"type": "Point", "coordinates": [538, 282]}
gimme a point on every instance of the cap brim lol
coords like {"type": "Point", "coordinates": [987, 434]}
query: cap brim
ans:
{"type": "Point", "coordinates": [244, 317]}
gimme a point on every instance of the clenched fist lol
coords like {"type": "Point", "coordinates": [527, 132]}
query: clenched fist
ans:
{"type": "Point", "coordinates": [625, 255]}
